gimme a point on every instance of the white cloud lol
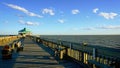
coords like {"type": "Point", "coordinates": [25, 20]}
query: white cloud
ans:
{"type": "Point", "coordinates": [31, 23]}
{"type": "Point", "coordinates": [88, 28]}
{"type": "Point", "coordinates": [48, 11]}
{"type": "Point", "coordinates": [109, 27]}
{"type": "Point", "coordinates": [28, 23]}
{"type": "Point", "coordinates": [95, 10]}
{"type": "Point", "coordinates": [61, 21]}
{"type": "Point", "coordinates": [108, 15]}
{"type": "Point", "coordinates": [75, 11]}
{"type": "Point", "coordinates": [23, 10]}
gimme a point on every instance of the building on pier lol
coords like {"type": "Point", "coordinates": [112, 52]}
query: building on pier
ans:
{"type": "Point", "coordinates": [24, 32]}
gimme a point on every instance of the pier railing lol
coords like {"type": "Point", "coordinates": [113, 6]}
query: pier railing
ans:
{"type": "Point", "coordinates": [11, 42]}
{"type": "Point", "coordinates": [83, 53]}
{"type": "Point", "coordinates": [8, 39]}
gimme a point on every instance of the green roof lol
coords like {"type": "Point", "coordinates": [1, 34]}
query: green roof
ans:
{"type": "Point", "coordinates": [24, 30]}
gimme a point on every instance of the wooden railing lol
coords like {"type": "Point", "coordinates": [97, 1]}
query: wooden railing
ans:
{"type": "Point", "coordinates": [11, 41]}
{"type": "Point", "coordinates": [8, 39]}
{"type": "Point", "coordinates": [92, 56]}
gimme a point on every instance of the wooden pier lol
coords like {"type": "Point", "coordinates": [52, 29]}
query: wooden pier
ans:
{"type": "Point", "coordinates": [36, 56]}
{"type": "Point", "coordinates": [39, 53]}
{"type": "Point", "coordinates": [92, 56]}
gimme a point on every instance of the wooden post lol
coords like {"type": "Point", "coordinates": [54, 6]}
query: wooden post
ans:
{"type": "Point", "coordinates": [66, 53]}
{"type": "Point", "coordinates": [79, 56]}
{"type": "Point", "coordinates": [61, 54]}
{"type": "Point", "coordinates": [70, 49]}
{"type": "Point", "coordinates": [70, 45]}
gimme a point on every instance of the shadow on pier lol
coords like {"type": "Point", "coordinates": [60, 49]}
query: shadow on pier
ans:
{"type": "Point", "coordinates": [64, 63]}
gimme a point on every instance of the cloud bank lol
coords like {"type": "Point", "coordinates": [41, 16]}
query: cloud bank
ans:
{"type": "Point", "coordinates": [23, 10]}
{"type": "Point", "coordinates": [108, 15]}
{"type": "Point", "coordinates": [103, 27]}
{"type": "Point", "coordinates": [109, 27]}
{"type": "Point", "coordinates": [28, 23]}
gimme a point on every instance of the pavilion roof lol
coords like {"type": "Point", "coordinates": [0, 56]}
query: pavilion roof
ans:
{"type": "Point", "coordinates": [25, 30]}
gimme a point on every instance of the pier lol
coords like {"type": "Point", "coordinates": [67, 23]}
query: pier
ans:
{"type": "Point", "coordinates": [40, 52]}
{"type": "Point", "coordinates": [35, 55]}
{"type": "Point", "coordinates": [59, 34]}
{"type": "Point", "coordinates": [92, 56]}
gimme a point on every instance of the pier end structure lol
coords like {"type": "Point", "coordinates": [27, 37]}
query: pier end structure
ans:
{"type": "Point", "coordinates": [24, 32]}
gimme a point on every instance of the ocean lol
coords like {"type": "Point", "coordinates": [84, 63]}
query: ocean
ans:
{"type": "Point", "coordinates": [111, 41]}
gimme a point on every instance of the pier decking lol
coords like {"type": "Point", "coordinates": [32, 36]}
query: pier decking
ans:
{"type": "Point", "coordinates": [36, 56]}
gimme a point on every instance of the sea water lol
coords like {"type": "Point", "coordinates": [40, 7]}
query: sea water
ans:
{"type": "Point", "coordinates": [112, 41]}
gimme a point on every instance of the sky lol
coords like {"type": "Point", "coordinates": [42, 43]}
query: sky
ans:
{"type": "Point", "coordinates": [60, 17]}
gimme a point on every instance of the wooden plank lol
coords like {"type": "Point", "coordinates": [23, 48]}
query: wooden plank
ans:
{"type": "Point", "coordinates": [34, 56]}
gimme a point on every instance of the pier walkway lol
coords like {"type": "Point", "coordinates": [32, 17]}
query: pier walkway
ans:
{"type": "Point", "coordinates": [36, 56]}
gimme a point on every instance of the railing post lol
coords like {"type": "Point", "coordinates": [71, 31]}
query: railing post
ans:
{"type": "Point", "coordinates": [61, 51]}
{"type": "Point", "coordinates": [59, 47]}
{"type": "Point", "coordinates": [70, 45]}
{"type": "Point", "coordinates": [82, 56]}
{"type": "Point", "coordinates": [94, 53]}
{"type": "Point", "coordinates": [66, 53]}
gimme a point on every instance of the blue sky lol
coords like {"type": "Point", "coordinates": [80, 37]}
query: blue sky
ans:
{"type": "Point", "coordinates": [60, 17]}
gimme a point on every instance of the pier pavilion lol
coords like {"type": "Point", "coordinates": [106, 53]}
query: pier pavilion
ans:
{"type": "Point", "coordinates": [24, 32]}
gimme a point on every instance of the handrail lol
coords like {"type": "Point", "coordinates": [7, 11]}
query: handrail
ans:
{"type": "Point", "coordinates": [88, 48]}
{"type": "Point", "coordinates": [7, 39]}
{"type": "Point", "coordinates": [93, 56]}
